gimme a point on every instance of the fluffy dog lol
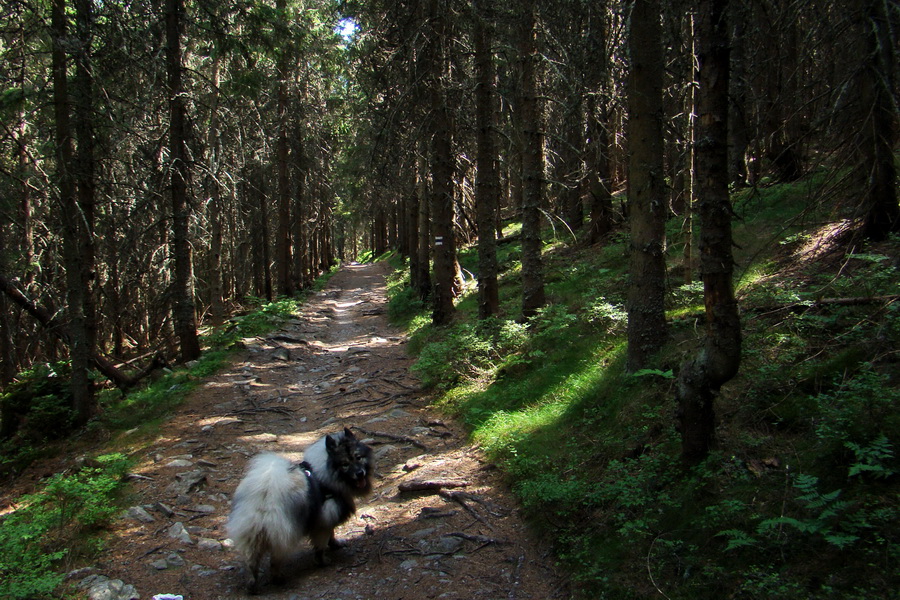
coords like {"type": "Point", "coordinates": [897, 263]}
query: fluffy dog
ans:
{"type": "Point", "coordinates": [278, 502]}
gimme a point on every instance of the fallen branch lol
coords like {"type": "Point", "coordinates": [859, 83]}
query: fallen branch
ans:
{"type": "Point", "coordinates": [391, 436]}
{"type": "Point", "coordinates": [478, 539]}
{"type": "Point", "coordinates": [823, 302]}
{"type": "Point", "coordinates": [460, 498]}
{"type": "Point", "coordinates": [258, 409]}
{"type": "Point", "coordinates": [489, 506]}
{"type": "Point", "coordinates": [58, 329]}
{"type": "Point", "coordinates": [429, 485]}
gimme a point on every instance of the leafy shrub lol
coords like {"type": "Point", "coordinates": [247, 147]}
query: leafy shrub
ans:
{"type": "Point", "coordinates": [859, 410]}
{"type": "Point", "coordinates": [33, 538]}
{"type": "Point", "coordinates": [606, 317]}
{"type": "Point", "coordinates": [260, 321]}
{"type": "Point", "coordinates": [38, 405]}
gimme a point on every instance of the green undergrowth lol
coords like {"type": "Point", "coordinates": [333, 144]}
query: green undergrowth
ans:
{"type": "Point", "coordinates": [60, 524]}
{"type": "Point", "coordinates": [799, 498]}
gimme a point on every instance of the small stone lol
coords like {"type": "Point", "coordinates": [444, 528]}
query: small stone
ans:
{"type": "Point", "coordinates": [423, 533]}
{"type": "Point", "coordinates": [209, 544]}
{"type": "Point", "coordinates": [178, 532]}
{"type": "Point", "coordinates": [100, 587]}
{"type": "Point", "coordinates": [187, 483]}
{"type": "Point", "coordinates": [382, 451]}
{"type": "Point", "coordinates": [139, 513]}
{"type": "Point", "coordinates": [262, 438]}
{"type": "Point", "coordinates": [408, 564]}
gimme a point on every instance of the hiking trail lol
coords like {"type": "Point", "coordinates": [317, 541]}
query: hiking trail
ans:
{"type": "Point", "coordinates": [338, 363]}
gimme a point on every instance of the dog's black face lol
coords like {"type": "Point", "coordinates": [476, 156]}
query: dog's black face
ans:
{"type": "Point", "coordinates": [351, 460]}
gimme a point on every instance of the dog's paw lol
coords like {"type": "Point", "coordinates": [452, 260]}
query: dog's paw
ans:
{"type": "Point", "coordinates": [336, 544]}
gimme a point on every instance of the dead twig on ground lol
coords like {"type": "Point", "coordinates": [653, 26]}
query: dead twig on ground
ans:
{"type": "Point", "coordinates": [460, 498]}
{"type": "Point", "coordinates": [391, 436]}
{"type": "Point", "coordinates": [478, 539]}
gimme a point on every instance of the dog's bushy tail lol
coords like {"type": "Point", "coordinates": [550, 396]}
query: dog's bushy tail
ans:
{"type": "Point", "coordinates": [268, 510]}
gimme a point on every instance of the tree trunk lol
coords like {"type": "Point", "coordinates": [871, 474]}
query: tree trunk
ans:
{"type": "Point", "coordinates": [423, 279]}
{"type": "Point", "coordinates": [598, 166]}
{"type": "Point", "coordinates": [701, 378]}
{"type": "Point", "coordinates": [738, 141]}
{"type": "Point", "coordinates": [878, 136]}
{"type": "Point", "coordinates": [689, 177]}
{"type": "Point", "coordinates": [647, 329]}
{"type": "Point", "coordinates": [412, 220]}
{"type": "Point", "coordinates": [301, 197]}
{"type": "Point", "coordinates": [283, 261]}
{"type": "Point", "coordinates": [182, 282]}
{"type": "Point", "coordinates": [441, 174]}
{"type": "Point", "coordinates": [216, 287]}
{"type": "Point", "coordinates": [75, 224]}
{"type": "Point", "coordinates": [487, 182]}
{"type": "Point", "coordinates": [530, 123]}
{"type": "Point", "coordinates": [571, 154]}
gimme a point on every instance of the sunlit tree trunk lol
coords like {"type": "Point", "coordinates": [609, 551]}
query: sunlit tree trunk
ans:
{"type": "Point", "coordinates": [647, 196]}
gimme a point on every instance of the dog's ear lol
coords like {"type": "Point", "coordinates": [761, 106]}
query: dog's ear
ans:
{"type": "Point", "coordinates": [348, 434]}
{"type": "Point", "coordinates": [330, 443]}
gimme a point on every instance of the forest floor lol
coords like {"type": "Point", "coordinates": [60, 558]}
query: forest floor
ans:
{"type": "Point", "coordinates": [339, 363]}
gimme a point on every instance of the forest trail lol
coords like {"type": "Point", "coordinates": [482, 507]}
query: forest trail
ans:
{"type": "Point", "coordinates": [338, 363]}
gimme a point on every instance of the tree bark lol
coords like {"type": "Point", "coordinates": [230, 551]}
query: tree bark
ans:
{"type": "Point", "coordinates": [216, 236]}
{"type": "Point", "coordinates": [183, 316]}
{"type": "Point", "coordinates": [422, 283]}
{"type": "Point", "coordinates": [738, 141]}
{"type": "Point", "coordinates": [283, 227]}
{"type": "Point", "coordinates": [597, 157]}
{"type": "Point", "coordinates": [75, 196]}
{"type": "Point", "coordinates": [487, 181]}
{"type": "Point", "coordinates": [530, 122]}
{"type": "Point", "coordinates": [441, 175]}
{"type": "Point", "coordinates": [879, 134]}
{"type": "Point", "coordinates": [647, 329]}
{"type": "Point", "coordinates": [701, 377]}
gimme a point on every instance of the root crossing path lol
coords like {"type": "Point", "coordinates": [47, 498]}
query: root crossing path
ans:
{"type": "Point", "coordinates": [440, 523]}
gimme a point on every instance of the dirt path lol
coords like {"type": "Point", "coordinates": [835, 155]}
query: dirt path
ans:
{"type": "Point", "coordinates": [339, 363]}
